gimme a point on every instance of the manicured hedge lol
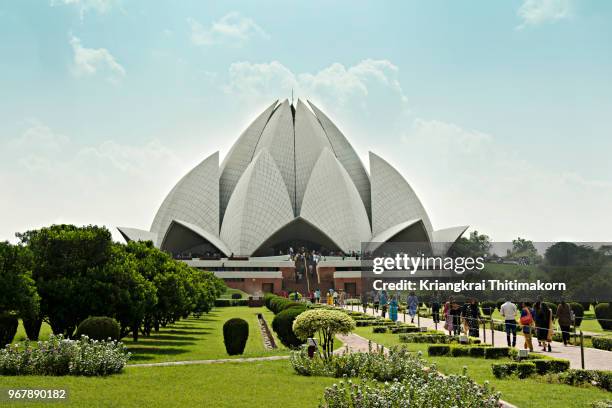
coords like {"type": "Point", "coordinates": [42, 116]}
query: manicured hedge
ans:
{"type": "Point", "coordinates": [236, 296]}
{"type": "Point", "coordinates": [578, 310]}
{"type": "Point", "coordinates": [602, 342]}
{"type": "Point", "coordinates": [99, 328]}
{"type": "Point", "coordinates": [551, 365]}
{"type": "Point", "coordinates": [235, 335]}
{"type": "Point", "coordinates": [283, 326]}
{"type": "Point", "coordinates": [488, 307]}
{"type": "Point", "coordinates": [277, 304]}
{"type": "Point", "coordinates": [496, 352]}
{"type": "Point", "coordinates": [603, 312]}
{"type": "Point", "coordinates": [477, 351]}
{"type": "Point", "coordinates": [460, 351]}
{"type": "Point", "coordinates": [599, 378]}
{"type": "Point", "coordinates": [379, 329]}
{"type": "Point", "coordinates": [32, 328]}
{"type": "Point", "coordinates": [432, 338]}
{"type": "Point", "coordinates": [438, 350]}
{"type": "Point", "coordinates": [405, 328]}
{"type": "Point", "coordinates": [521, 370]}
{"type": "Point", "coordinates": [231, 302]}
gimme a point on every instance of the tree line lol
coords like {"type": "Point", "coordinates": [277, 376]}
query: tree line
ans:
{"type": "Point", "coordinates": [63, 274]}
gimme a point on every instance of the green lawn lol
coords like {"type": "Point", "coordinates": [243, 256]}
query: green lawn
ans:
{"type": "Point", "coordinates": [256, 384]}
{"type": "Point", "coordinates": [200, 339]}
{"type": "Point", "coordinates": [45, 331]}
{"type": "Point", "coordinates": [534, 392]}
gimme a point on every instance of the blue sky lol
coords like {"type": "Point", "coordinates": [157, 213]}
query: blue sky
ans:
{"type": "Point", "coordinates": [498, 113]}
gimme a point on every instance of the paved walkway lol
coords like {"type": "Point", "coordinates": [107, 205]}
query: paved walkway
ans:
{"type": "Point", "coordinates": [594, 359]}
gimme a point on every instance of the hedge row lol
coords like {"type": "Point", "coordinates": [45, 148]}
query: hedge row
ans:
{"type": "Point", "coordinates": [521, 370]}
{"type": "Point", "coordinates": [231, 302]}
{"type": "Point", "coordinates": [433, 338]}
{"type": "Point", "coordinates": [602, 342]}
{"type": "Point", "coordinates": [599, 378]}
{"type": "Point", "coordinates": [468, 351]}
{"type": "Point", "coordinates": [277, 304]}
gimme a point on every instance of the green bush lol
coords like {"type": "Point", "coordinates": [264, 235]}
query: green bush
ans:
{"type": "Point", "coordinates": [599, 378]}
{"type": "Point", "coordinates": [283, 326]}
{"type": "Point", "coordinates": [433, 338]}
{"type": "Point", "coordinates": [99, 328]}
{"type": "Point", "coordinates": [602, 404]}
{"type": "Point", "coordinates": [602, 342]}
{"type": "Point", "coordinates": [32, 328]}
{"type": "Point", "coordinates": [460, 351]}
{"type": "Point", "coordinates": [603, 312]}
{"type": "Point", "coordinates": [267, 299]}
{"type": "Point", "coordinates": [8, 328]}
{"type": "Point", "coordinates": [379, 329]}
{"type": "Point", "coordinates": [477, 351]}
{"type": "Point", "coordinates": [235, 335]}
{"type": "Point", "coordinates": [488, 307]}
{"type": "Point", "coordinates": [325, 323]}
{"type": "Point", "coordinates": [236, 296]}
{"type": "Point", "coordinates": [438, 350]}
{"type": "Point", "coordinates": [551, 365]}
{"type": "Point", "coordinates": [404, 328]}
{"type": "Point", "coordinates": [521, 370]}
{"type": "Point", "coordinates": [231, 302]}
{"type": "Point", "coordinates": [496, 352]}
{"type": "Point", "coordinates": [578, 313]}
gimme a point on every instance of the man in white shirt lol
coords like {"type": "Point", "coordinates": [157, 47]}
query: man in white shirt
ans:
{"type": "Point", "coordinates": [508, 311]}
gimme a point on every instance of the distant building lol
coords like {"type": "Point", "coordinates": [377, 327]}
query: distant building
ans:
{"type": "Point", "coordinates": [292, 180]}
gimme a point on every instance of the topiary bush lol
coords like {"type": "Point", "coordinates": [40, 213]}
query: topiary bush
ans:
{"type": "Point", "coordinates": [99, 328]}
{"type": "Point", "coordinates": [496, 352]}
{"type": "Point", "coordinates": [236, 296]}
{"type": "Point", "coordinates": [460, 351]}
{"type": "Point", "coordinates": [603, 312]}
{"type": "Point", "coordinates": [488, 307]}
{"type": "Point", "coordinates": [325, 323]}
{"type": "Point", "coordinates": [521, 370]}
{"type": "Point", "coordinates": [235, 335]}
{"type": "Point", "coordinates": [439, 350]}
{"type": "Point", "coordinates": [283, 326]}
{"type": "Point", "coordinates": [578, 313]}
{"type": "Point", "coordinates": [602, 342]}
{"type": "Point", "coordinates": [551, 365]}
{"type": "Point", "coordinates": [8, 328]}
{"type": "Point", "coordinates": [379, 329]}
{"type": "Point", "coordinates": [477, 351]}
{"type": "Point", "coordinates": [32, 328]}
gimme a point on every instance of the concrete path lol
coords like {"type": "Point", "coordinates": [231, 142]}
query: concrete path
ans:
{"type": "Point", "coordinates": [594, 359]}
{"type": "Point", "coordinates": [221, 360]}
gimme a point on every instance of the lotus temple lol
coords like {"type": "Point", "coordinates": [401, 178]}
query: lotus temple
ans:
{"type": "Point", "coordinates": [291, 183]}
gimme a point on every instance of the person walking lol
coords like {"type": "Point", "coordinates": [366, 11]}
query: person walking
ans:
{"type": "Point", "coordinates": [383, 303]}
{"type": "Point", "coordinates": [508, 311]}
{"type": "Point", "coordinates": [330, 298]}
{"type": "Point", "coordinates": [564, 316]}
{"type": "Point", "coordinates": [412, 303]}
{"type": "Point", "coordinates": [527, 322]}
{"type": "Point", "coordinates": [364, 301]}
{"type": "Point", "coordinates": [448, 318]}
{"type": "Point", "coordinates": [318, 295]}
{"type": "Point", "coordinates": [455, 312]}
{"type": "Point", "coordinates": [393, 308]}
{"type": "Point", "coordinates": [335, 296]}
{"type": "Point", "coordinates": [376, 302]}
{"type": "Point", "coordinates": [542, 321]}
{"type": "Point", "coordinates": [435, 308]}
{"type": "Point", "coordinates": [473, 317]}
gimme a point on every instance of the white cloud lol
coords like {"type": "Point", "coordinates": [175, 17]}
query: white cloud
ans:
{"type": "Point", "coordinates": [335, 84]}
{"type": "Point", "coordinates": [84, 6]}
{"type": "Point", "coordinates": [231, 29]}
{"type": "Point", "coordinates": [469, 177]}
{"type": "Point", "coordinates": [91, 61]}
{"type": "Point", "coordinates": [536, 12]}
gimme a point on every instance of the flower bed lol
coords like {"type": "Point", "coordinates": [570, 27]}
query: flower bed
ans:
{"type": "Point", "coordinates": [598, 378]}
{"type": "Point", "coordinates": [59, 356]}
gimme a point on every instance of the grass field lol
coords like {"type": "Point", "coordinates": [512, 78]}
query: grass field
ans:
{"type": "Point", "coordinates": [255, 384]}
{"type": "Point", "coordinates": [533, 392]}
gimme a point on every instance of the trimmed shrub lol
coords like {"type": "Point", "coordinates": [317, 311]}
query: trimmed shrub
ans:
{"type": "Point", "coordinates": [460, 351]}
{"type": "Point", "coordinates": [578, 310]}
{"type": "Point", "coordinates": [433, 338]}
{"type": "Point", "coordinates": [602, 342]}
{"type": "Point", "coordinates": [379, 329]}
{"type": "Point", "coordinates": [32, 328]}
{"type": "Point", "coordinates": [231, 302]}
{"type": "Point", "coordinates": [236, 296]}
{"type": "Point", "coordinates": [325, 323]}
{"type": "Point", "coordinates": [235, 335]}
{"type": "Point", "coordinates": [521, 370]}
{"type": "Point", "coordinates": [551, 365]}
{"type": "Point", "coordinates": [477, 351]}
{"type": "Point", "coordinates": [404, 329]}
{"type": "Point", "coordinates": [438, 350]}
{"type": "Point", "coordinates": [99, 328]}
{"type": "Point", "coordinates": [283, 326]}
{"type": "Point", "coordinates": [577, 377]}
{"type": "Point", "coordinates": [496, 352]}
{"type": "Point", "coordinates": [603, 312]}
{"type": "Point", "coordinates": [488, 307]}
{"type": "Point", "coordinates": [8, 328]}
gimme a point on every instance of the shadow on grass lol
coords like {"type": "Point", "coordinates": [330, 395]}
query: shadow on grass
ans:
{"type": "Point", "coordinates": [141, 352]}
{"type": "Point", "coordinates": [170, 337]}
{"type": "Point", "coordinates": [161, 344]}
